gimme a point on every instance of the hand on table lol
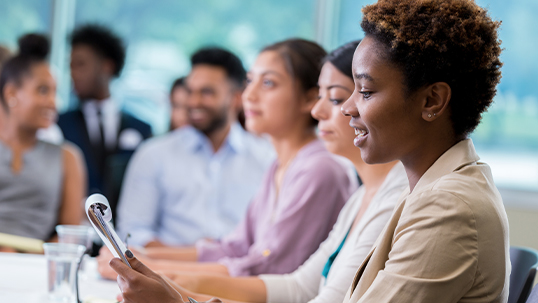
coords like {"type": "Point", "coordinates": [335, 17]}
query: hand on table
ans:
{"type": "Point", "coordinates": [103, 266]}
{"type": "Point", "coordinates": [7, 249]}
{"type": "Point", "coordinates": [140, 284]}
{"type": "Point", "coordinates": [103, 260]}
{"type": "Point", "coordinates": [182, 279]}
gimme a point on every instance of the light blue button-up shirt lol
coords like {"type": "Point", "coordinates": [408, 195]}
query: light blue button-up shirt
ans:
{"type": "Point", "coordinates": [178, 190]}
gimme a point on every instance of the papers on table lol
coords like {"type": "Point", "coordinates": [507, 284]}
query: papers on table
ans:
{"type": "Point", "coordinates": [22, 244]}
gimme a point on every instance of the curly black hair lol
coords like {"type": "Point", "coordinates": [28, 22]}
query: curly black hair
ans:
{"type": "Point", "coordinates": [103, 41]}
{"type": "Point", "coordinates": [451, 41]}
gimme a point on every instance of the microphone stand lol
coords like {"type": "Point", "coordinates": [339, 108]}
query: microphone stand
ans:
{"type": "Point", "coordinates": [87, 252]}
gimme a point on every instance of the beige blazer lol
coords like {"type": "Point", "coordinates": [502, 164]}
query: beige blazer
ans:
{"type": "Point", "coordinates": [447, 241]}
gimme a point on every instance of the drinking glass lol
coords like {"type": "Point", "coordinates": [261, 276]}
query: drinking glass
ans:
{"type": "Point", "coordinates": [75, 234]}
{"type": "Point", "coordinates": [62, 264]}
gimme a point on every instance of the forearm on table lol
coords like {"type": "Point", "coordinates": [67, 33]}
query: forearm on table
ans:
{"type": "Point", "coordinates": [253, 291]}
{"type": "Point", "coordinates": [173, 253]}
{"type": "Point", "coordinates": [196, 267]}
{"type": "Point", "coordinates": [205, 298]}
{"type": "Point", "coordinates": [243, 289]}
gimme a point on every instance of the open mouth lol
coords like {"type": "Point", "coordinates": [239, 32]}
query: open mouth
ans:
{"type": "Point", "coordinates": [48, 114]}
{"type": "Point", "coordinates": [360, 132]}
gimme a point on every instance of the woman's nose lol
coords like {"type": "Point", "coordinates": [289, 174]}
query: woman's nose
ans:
{"type": "Point", "coordinates": [249, 94]}
{"type": "Point", "coordinates": [349, 108]}
{"type": "Point", "coordinates": [319, 111]}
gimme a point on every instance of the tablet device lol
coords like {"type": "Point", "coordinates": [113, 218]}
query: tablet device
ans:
{"type": "Point", "coordinates": [99, 214]}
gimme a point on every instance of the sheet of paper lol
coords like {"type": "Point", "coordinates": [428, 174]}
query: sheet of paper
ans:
{"type": "Point", "coordinates": [22, 244]}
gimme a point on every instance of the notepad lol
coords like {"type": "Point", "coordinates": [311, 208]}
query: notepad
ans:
{"type": "Point", "coordinates": [22, 244]}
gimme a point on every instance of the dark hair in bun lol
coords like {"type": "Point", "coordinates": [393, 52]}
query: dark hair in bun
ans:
{"type": "Point", "coordinates": [34, 45]}
{"type": "Point", "coordinates": [342, 57]}
{"type": "Point", "coordinates": [33, 48]}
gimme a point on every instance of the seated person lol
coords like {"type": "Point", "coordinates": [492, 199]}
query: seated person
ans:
{"type": "Point", "coordinates": [424, 73]}
{"type": "Point", "coordinates": [41, 184]}
{"type": "Point", "coordinates": [323, 277]}
{"type": "Point", "coordinates": [303, 191]}
{"type": "Point", "coordinates": [196, 181]}
{"type": "Point", "coordinates": [429, 70]}
{"type": "Point", "coordinates": [106, 134]}
{"type": "Point", "coordinates": [178, 104]}
{"type": "Point", "coordinates": [5, 54]}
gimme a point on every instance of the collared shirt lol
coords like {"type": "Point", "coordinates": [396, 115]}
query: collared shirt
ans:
{"type": "Point", "coordinates": [178, 190]}
{"type": "Point", "coordinates": [282, 229]}
{"type": "Point", "coordinates": [446, 242]}
{"type": "Point", "coordinates": [110, 119]}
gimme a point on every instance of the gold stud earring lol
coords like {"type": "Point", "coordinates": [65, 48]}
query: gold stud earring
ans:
{"type": "Point", "coordinates": [429, 115]}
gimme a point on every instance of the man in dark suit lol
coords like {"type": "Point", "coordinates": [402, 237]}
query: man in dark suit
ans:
{"type": "Point", "coordinates": [106, 135]}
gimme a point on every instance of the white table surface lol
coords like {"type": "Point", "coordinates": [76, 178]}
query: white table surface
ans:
{"type": "Point", "coordinates": [23, 278]}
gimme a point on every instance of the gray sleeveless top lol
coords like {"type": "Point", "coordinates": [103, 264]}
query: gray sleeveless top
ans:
{"type": "Point", "coordinates": [30, 199]}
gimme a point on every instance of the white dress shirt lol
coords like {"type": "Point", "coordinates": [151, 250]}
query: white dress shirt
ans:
{"type": "Point", "coordinates": [111, 118]}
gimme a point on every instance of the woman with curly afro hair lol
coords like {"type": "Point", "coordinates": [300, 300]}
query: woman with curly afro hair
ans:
{"type": "Point", "coordinates": [424, 73]}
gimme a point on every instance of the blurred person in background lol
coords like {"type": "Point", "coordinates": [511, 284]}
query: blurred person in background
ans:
{"type": "Point", "coordinates": [304, 189]}
{"type": "Point", "coordinates": [106, 135]}
{"type": "Point", "coordinates": [5, 54]}
{"type": "Point", "coordinates": [41, 184]}
{"type": "Point", "coordinates": [178, 104]}
{"type": "Point", "coordinates": [196, 181]}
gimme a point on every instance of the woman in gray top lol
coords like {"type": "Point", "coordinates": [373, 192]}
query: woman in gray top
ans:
{"type": "Point", "coordinates": [41, 184]}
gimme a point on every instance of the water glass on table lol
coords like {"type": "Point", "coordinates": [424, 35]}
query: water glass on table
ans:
{"type": "Point", "coordinates": [62, 263]}
{"type": "Point", "coordinates": [75, 234]}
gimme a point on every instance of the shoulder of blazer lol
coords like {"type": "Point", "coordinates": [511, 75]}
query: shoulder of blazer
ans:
{"type": "Point", "coordinates": [129, 121]}
{"type": "Point", "coordinates": [73, 127]}
{"type": "Point", "coordinates": [70, 118]}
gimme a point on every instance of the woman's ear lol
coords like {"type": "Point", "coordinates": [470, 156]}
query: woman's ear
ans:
{"type": "Point", "coordinates": [437, 98]}
{"type": "Point", "coordinates": [311, 98]}
{"type": "Point", "coordinates": [10, 94]}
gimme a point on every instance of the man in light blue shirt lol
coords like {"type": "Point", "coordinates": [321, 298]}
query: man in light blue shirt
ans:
{"type": "Point", "coordinates": [197, 181]}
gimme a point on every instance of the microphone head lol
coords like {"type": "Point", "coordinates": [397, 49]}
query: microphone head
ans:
{"type": "Point", "coordinates": [100, 201]}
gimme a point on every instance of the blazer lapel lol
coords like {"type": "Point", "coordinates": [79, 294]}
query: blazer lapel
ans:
{"type": "Point", "coordinates": [83, 130]}
{"type": "Point", "coordinates": [374, 262]}
{"type": "Point", "coordinates": [360, 271]}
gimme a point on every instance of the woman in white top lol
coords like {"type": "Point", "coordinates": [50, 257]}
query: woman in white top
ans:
{"type": "Point", "coordinates": [327, 274]}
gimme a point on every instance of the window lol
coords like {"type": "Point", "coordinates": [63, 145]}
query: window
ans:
{"type": "Point", "coordinates": [161, 36]}
{"type": "Point", "coordinates": [23, 16]}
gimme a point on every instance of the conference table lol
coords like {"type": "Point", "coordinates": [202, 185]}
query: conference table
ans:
{"type": "Point", "coordinates": [23, 278]}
